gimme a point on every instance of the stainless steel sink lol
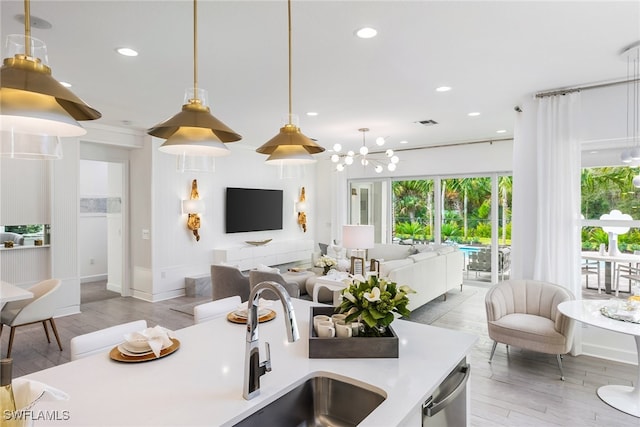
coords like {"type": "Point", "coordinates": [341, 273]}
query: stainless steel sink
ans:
{"type": "Point", "coordinates": [319, 401]}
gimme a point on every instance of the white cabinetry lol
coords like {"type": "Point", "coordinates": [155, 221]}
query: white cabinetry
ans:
{"type": "Point", "coordinates": [248, 256]}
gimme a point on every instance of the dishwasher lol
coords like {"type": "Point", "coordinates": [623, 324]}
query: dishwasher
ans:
{"type": "Point", "coordinates": [447, 406]}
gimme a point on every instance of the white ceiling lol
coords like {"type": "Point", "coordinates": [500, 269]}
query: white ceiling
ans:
{"type": "Point", "coordinates": [492, 53]}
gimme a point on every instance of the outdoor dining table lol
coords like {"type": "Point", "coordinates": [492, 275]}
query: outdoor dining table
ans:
{"type": "Point", "coordinates": [610, 262]}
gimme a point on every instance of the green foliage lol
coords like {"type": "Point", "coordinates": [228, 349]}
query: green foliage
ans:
{"type": "Point", "coordinates": [483, 230]}
{"type": "Point", "coordinates": [24, 229]}
{"type": "Point", "coordinates": [374, 301]}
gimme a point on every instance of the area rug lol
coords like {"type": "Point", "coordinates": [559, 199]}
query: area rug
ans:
{"type": "Point", "coordinates": [435, 309]}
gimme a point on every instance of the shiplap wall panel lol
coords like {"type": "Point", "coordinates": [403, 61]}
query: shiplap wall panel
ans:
{"type": "Point", "coordinates": [37, 260]}
{"type": "Point", "coordinates": [64, 228]}
{"type": "Point", "coordinates": [25, 190]}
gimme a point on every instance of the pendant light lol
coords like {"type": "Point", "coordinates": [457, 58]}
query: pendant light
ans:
{"type": "Point", "coordinates": [35, 109]}
{"type": "Point", "coordinates": [290, 146]}
{"type": "Point", "coordinates": [194, 131]}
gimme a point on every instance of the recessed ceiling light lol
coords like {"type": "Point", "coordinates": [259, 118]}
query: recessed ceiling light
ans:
{"type": "Point", "coordinates": [501, 131]}
{"type": "Point", "coordinates": [312, 113]}
{"type": "Point", "coordinates": [474, 114]}
{"type": "Point", "coordinates": [65, 84]}
{"type": "Point", "coordinates": [366, 32]}
{"type": "Point", "coordinates": [443, 89]}
{"type": "Point", "coordinates": [595, 152]}
{"type": "Point", "coordinates": [404, 141]}
{"type": "Point", "coordinates": [126, 51]}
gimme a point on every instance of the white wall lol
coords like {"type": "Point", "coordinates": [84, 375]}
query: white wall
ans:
{"type": "Point", "coordinates": [92, 227]}
{"type": "Point", "coordinates": [175, 252]}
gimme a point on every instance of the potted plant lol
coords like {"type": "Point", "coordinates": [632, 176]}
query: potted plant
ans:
{"type": "Point", "coordinates": [374, 302]}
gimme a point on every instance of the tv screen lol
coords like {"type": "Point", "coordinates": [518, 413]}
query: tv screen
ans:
{"type": "Point", "coordinates": [252, 209]}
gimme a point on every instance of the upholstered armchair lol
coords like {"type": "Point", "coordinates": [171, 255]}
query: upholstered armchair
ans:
{"type": "Point", "coordinates": [524, 314]}
{"type": "Point", "coordinates": [257, 276]}
{"type": "Point", "coordinates": [227, 281]}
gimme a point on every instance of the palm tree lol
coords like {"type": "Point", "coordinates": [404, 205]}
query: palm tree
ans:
{"type": "Point", "coordinates": [505, 186]}
{"type": "Point", "coordinates": [409, 198]}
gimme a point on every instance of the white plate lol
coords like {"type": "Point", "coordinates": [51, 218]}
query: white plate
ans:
{"type": "Point", "coordinates": [243, 313]}
{"type": "Point", "coordinates": [124, 351]}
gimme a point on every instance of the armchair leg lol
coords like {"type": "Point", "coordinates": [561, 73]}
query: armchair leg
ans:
{"type": "Point", "coordinates": [13, 331]}
{"type": "Point", "coordinates": [55, 332]}
{"type": "Point", "coordinates": [46, 331]}
{"type": "Point", "coordinates": [493, 350]}
{"type": "Point", "coordinates": [559, 358]}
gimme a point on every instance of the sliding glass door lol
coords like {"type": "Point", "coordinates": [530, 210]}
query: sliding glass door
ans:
{"type": "Point", "coordinates": [450, 210]}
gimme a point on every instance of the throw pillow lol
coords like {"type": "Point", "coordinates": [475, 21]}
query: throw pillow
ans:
{"type": "Point", "coordinates": [323, 248]}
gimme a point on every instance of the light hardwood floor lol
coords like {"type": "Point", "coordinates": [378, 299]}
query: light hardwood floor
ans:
{"type": "Point", "coordinates": [517, 389]}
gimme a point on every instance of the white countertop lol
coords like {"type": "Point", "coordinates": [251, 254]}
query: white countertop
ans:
{"type": "Point", "coordinates": [201, 383]}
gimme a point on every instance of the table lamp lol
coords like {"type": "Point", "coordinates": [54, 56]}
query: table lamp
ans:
{"type": "Point", "coordinates": [358, 238]}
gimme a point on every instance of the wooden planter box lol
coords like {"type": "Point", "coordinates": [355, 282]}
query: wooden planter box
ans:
{"type": "Point", "coordinates": [347, 348]}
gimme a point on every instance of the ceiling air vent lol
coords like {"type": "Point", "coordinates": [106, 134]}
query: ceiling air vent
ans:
{"type": "Point", "coordinates": [428, 122]}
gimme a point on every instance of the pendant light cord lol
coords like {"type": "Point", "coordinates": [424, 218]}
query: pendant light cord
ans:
{"type": "Point", "coordinates": [27, 28]}
{"type": "Point", "coordinates": [195, 49]}
{"type": "Point", "coordinates": [289, 26]}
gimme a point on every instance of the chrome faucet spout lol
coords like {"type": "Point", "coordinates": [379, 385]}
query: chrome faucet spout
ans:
{"type": "Point", "coordinates": [253, 368]}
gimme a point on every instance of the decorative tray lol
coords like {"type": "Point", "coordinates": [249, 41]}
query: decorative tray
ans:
{"type": "Point", "coordinates": [117, 354]}
{"type": "Point", "coordinates": [349, 348]}
{"type": "Point", "coordinates": [258, 242]}
{"type": "Point", "coordinates": [625, 312]}
{"type": "Point", "coordinates": [234, 318]}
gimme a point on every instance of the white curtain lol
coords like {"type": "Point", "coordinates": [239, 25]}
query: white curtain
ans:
{"type": "Point", "coordinates": [546, 192]}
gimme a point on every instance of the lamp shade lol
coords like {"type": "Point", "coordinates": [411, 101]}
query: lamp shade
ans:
{"type": "Point", "coordinates": [301, 206]}
{"type": "Point", "coordinates": [358, 236]}
{"type": "Point", "coordinates": [193, 206]}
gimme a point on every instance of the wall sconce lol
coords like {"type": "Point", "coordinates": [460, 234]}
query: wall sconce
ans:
{"type": "Point", "coordinates": [193, 207]}
{"type": "Point", "coordinates": [301, 207]}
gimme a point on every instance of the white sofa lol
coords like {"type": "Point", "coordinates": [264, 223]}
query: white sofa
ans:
{"type": "Point", "coordinates": [430, 270]}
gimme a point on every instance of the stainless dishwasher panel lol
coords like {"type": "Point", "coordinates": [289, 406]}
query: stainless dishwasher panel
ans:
{"type": "Point", "coordinates": [447, 406]}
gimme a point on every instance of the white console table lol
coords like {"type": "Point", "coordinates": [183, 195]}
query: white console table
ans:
{"type": "Point", "coordinates": [248, 256]}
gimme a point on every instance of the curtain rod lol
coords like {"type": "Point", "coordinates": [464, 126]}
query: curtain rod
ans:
{"type": "Point", "coordinates": [484, 141]}
{"type": "Point", "coordinates": [578, 89]}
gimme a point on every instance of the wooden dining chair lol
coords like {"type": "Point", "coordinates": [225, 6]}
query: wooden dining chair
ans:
{"type": "Point", "coordinates": [39, 309]}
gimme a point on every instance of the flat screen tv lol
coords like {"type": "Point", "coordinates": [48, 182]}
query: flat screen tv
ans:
{"type": "Point", "coordinates": [253, 209]}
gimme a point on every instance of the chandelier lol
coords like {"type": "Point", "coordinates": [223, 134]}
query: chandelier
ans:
{"type": "Point", "coordinates": [364, 157]}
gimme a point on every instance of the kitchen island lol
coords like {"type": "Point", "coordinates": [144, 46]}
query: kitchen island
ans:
{"type": "Point", "coordinates": [201, 383]}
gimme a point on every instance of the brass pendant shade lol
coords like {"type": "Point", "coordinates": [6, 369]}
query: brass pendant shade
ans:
{"type": "Point", "coordinates": [194, 115]}
{"type": "Point", "coordinates": [290, 146]}
{"type": "Point", "coordinates": [35, 108]}
{"type": "Point", "coordinates": [194, 131]}
{"type": "Point", "coordinates": [289, 137]}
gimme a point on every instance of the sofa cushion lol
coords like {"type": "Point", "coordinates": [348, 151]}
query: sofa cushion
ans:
{"type": "Point", "coordinates": [420, 256]}
{"type": "Point", "coordinates": [523, 330]}
{"type": "Point", "coordinates": [387, 266]}
{"type": "Point", "coordinates": [445, 250]}
{"type": "Point", "coordinates": [389, 251]}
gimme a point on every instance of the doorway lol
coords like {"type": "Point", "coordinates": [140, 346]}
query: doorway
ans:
{"type": "Point", "coordinates": [102, 224]}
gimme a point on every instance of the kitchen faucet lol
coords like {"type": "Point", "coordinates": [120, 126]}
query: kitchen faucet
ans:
{"type": "Point", "coordinates": [253, 368]}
